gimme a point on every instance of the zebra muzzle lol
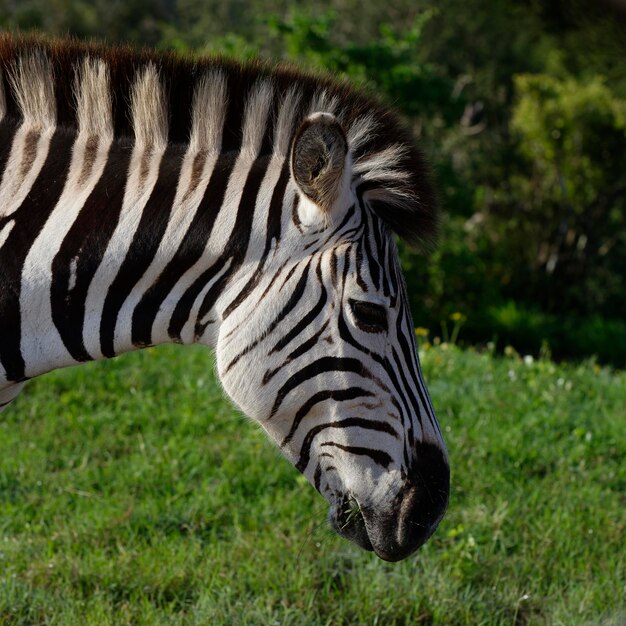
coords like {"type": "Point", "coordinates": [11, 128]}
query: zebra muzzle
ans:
{"type": "Point", "coordinates": [397, 527]}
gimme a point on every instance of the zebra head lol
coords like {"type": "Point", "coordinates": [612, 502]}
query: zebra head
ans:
{"type": "Point", "coordinates": [321, 350]}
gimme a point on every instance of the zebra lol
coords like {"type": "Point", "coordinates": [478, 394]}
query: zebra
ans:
{"type": "Point", "coordinates": [148, 198]}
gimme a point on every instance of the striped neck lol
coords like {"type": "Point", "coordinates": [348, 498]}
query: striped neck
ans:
{"type": "Point", "coordinates": [135, 245]}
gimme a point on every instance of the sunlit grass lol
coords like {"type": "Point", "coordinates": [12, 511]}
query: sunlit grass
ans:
{"type": "Point", "coordinates": [132, 493]}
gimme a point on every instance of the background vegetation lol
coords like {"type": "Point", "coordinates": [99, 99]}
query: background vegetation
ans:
{"type": "Point", "coordinates": [520, 106]}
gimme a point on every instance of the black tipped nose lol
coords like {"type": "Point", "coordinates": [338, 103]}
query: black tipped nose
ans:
{"type": "Point", "coordinates": [417, 510]}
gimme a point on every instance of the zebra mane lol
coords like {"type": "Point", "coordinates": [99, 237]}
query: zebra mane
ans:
{"type": "Point", "coordinates": [214, 104]}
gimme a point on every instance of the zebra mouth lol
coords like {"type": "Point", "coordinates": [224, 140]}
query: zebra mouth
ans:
{"type": "Point", "coordinates": [397, 527]}
{"type": "Point", "coordinates": [347, 520]}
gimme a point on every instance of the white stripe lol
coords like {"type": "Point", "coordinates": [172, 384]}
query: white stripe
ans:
{"type": "Point", "coordinates": [285, 123]}
{"type": "Point", "coordinates": [4, 233]}
{"type": "Point", "coordinates": [73, 273]}
{"type": "Point", "coordinates": [42, 346]}
{"type": "Point", "coordinates": [136, 197]}
{"type": "Point", "coordinates": [323, 103]}
{"type": "Point", "coordinates": [14, 188]}
{"type": "Point", "coordinates": [361, 131]}
{"type": "Point", "coordinates": [179, 222]}
{"type": "Point", "coordinates": [94, 107]}
{"type": "Point", "coordinates": [149, 109]}
{"type": "Point", "coordinates": [208, 114]}
{"type": "Point", "coordinates": [255, 117]}
{"type": "Point", "coordinates": [31, 79]}
{"type": "Point", "coordinates": [383, 165]}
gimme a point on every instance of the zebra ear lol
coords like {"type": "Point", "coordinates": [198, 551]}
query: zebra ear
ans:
{"type": "Point", "coordinates": [318, 159]}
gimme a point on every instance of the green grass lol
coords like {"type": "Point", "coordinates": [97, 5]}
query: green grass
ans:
{"type": "Point", "coordinates": [132, 493]}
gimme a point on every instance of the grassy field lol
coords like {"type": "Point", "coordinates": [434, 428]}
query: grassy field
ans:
{"type": "Point", "coordinates": [132, 493]}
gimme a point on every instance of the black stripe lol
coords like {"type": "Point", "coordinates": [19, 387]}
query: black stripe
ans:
{"type": "Point", "coordinates": [339, 395]}
{"type": "Point", "coordinates": [233, 122]}
{"type": "Point", "coordinates": [290, 273]}
{"type": "Point", "coordinates": [379, 247]}
{"type": "Point", "coordinates": [350, 422]}
{"type": "Point", "coordinates": [412, 400]}
{"type": "Point", "coordinates": [303, 348]}
{"type": "Point", "coordinates": [378, 456]}
{"type": "Point", "coordinates": [143, 247]}
{"type": "Point", "coordinates": [189, 252]}
{"type": "Point", "coordinates": [312, 247]}
{"type": "Point", "coordinates": [12, 109]}
{"type": "Point", "coordinates": [409, 352]}
{"type": "Point", "coordinates": [390, 274]}
{"type": "Point", "coordinates": [8, 128]}
{"type": "Point", "coordinates": [272, 231]}
{"type": "Point", "coordinates": [317, 477]}
{"type": "Point", "coordinates": [87, 241]}
{"type": "Point", "coordinates": [272, 281]}
{"type": "Point", "coordinates": [320, 366]}
{"type": "Point", "coordinates": [359, 265]}
{"type": "Point", "coordinates": [267, 143]}
{"type": "Point", "coordinates": [245, 291]}
{"type": "Point", "coordinates": [238, 240]}
{"type": "Point", "coordinates": [402, 405]}
{"type": "Point", "coordinates": [306, 320]}
{"type": "Point", "coordinates": [289, 306]}
{"type": "Point", "coordinates": [295, 216]}
{"type": "Point", "coordinates": [346, 269]}
{"type": "Point", "coordinates": [348, 234]}
{"type": "Point", "coordinates": [275, 212]}
{"type": "Point", "coordinates": [408, 446]}
{"type": "Point", "coordinates": [29, 220]}
{"type": "Point", "coordinates": [371, 253]}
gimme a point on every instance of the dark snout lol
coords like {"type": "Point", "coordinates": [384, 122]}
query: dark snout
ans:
{"type": "Point", "coordinates": [397, 528]}
{"type": "Point", "coordinates": [417, 510]}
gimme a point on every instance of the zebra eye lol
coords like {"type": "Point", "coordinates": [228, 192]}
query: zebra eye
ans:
{"type": "Point", "coordinates": [369, 317]}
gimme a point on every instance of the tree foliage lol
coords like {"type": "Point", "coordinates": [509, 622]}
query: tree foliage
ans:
{"type": "Point", "coordinates": [570, 192]}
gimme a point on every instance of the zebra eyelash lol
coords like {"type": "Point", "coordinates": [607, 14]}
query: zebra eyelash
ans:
{"type": "Point", "coordinates": [369, 316]}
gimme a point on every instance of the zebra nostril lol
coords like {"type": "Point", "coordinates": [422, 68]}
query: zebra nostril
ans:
{"type": "Point", "coordinates": [430, 478]}
{"type": "Point", "coordinates": [417, 509]}
{"type": "Point", "coordinates": [426, 498]}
